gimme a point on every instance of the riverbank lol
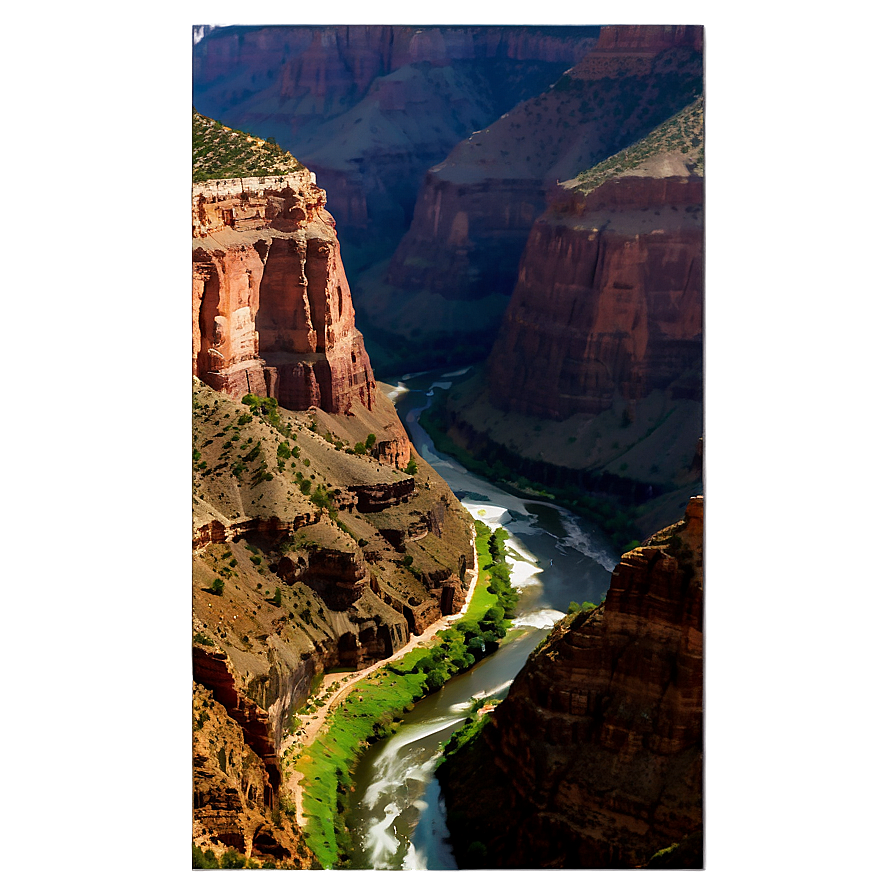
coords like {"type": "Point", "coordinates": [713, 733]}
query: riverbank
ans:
{"type": "Point", "coordinates": [344, 683]}
{"type": "Point", "coordinates": [625, 508]}
{"type": "Point", "coordinates": [368, 704]}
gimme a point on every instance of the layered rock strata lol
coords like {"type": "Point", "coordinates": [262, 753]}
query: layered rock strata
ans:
{"type": "Point", "coordinates": [608, 301]}
{"type": "Point", "coordinates": [272, 310]}
{"type": "Point", "coordinates": [370, 108]}
{"type": "Point", "coordinates": [475, 209]}
{"type": "Point", "coordinates": [290, 582]}
{"type": "Point", "coordinates": [595, 758]}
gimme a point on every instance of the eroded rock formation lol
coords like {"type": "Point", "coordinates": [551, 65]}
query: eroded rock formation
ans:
{"type": "Point", "coordinates": [595, 758]}
{"type": "Point", "coordinates": [289, 582]}
{"type": "Point", "coordinates": [475, 209]}
{"type": "Point", "coordinates": [609, 300]}
{"type": "Point", "coordinates": [371, 107]}
{"type": "Point", "coordinates": [272, 310]}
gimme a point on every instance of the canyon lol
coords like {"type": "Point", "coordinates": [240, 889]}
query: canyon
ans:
{"type": "Point", "coordinates": [595, 378]}
{"type": "Point", "coordinates": [595, 757]}
{"type": "Point", "coordinates": [553, 226]}
{"type": "Point", "coordinates": [371, 107]}
{"type": "Point", "coordinates": [476, 209]}
{"type": "Point", "coordinates": [320, 539]}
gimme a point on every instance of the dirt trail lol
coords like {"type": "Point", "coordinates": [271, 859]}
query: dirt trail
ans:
{"type": "Point", "coordinates": [313, 725]}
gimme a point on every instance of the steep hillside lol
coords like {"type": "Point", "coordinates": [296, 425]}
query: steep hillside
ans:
{"type": "Point", "coordinates": [595, 379]}
{"type": "Point", "coordinates": [220, 152]}
{"type": "Point", "coordinates": [320, 539]}
{"type": "Point", "coordinates": [476, 209]}
{"type": "Point", "coordinates": [595, 758]}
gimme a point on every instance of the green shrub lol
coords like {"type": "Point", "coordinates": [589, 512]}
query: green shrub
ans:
{"type": "Point", "coordinates": [217, 587]}
{"type": "Point", "coordinates": [204, 859]}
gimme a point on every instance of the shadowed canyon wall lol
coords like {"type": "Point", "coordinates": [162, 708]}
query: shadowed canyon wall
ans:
{"type": "Point", "coordinates": [476, 209]}
{"type": "Point", "coordinates": [371, 107]}
{"type": "Point", "coordinates": [595, 758]}
{"type": "Point", "coordinates": [609, 300]}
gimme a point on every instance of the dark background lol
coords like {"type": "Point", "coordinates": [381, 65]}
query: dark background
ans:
{"type": "Point", "coordinates": [95, 448]}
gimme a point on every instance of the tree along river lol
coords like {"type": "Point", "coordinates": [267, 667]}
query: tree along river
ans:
{"type": "Point", "coordinates": [396, 812]}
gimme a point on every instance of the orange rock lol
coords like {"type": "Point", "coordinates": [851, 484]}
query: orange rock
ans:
{"type": "Point", "coordinates": [272, 309]}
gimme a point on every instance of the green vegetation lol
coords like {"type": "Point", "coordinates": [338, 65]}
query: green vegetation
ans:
{"type": "Point", "coordinates": [411, 468]}
{"type": "Point", "coordinates": [220, 152]}
{"type": "Point", "coordinates": [580, 608]}
{"type": "Point", "coordinates": [682, 133]}
{"type": "Point", "coordinates": [201, 638]}
{"type": "Point", "coordinates": [372, 709]}
{"type": "Point", "coordinates": [466, 733]}
{"type": "Point", "coordinates": [230, 858]}
{"type": "Point", "coordinates": [217, 587]}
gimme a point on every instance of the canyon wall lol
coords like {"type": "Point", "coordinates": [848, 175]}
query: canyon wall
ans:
{"type": "Point", "coordinates": [609, 300]}
{"type": "Point", "coordinates": [313, 546]}
{"type": "Point", "coordinates": [476, 208]}
{"type": "Point", "coordinates": [272, 310]}
{"type": "Point", "coordinates": [371, 107]}
{"type": "Point", "coordinates": [595, 758]}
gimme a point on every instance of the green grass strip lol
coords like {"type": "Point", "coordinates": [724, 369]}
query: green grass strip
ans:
{"type": "Point", "coordinates": [372, 710]}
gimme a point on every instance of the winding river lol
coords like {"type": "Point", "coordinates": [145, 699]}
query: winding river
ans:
{"type": "Point", "coordinates": [396, 812]}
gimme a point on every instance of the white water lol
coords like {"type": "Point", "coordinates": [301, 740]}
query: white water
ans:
{"type": "Point", "coordinates": [404, 824]}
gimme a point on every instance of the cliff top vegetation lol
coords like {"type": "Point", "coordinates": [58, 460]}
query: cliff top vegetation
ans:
{"type": "Point", "coordinates": [220, 151]}
{"type": "Point", "coordinates": [682, 133]}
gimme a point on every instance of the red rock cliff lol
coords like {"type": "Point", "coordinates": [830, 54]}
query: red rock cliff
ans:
{"type": "Point", "coordinates": [609, 298]}
{"type": "Point", "coordinates": [272, 310]}
{"type": "Point", "coordinates": [595, 758]}
{"type": "Point", "coordinates": [475, 210]}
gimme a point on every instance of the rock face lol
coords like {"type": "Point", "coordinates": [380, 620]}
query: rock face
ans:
{"type": "Point", "coordinates": [232, 792]}
{"type": "Point", "coordinates": [370, 108]}
{"type": "Point", "coordinates": [476, 208]}
{"type": "Point", "coordinates": [609, 300]}
{"type": "Point", "coordinates": [272, 310]}
{"type": "Point", "coordinates": [595, 758]}
{"type": "Point", "coordinates": [289, 583]}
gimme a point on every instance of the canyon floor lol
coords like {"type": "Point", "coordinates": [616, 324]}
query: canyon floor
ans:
{"type": "Point", "coordinates": [338, 685]}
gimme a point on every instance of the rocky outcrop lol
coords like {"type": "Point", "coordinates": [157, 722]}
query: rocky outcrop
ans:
{"type": "Point", "coordinates": [283, 589]}
{"type": "Point", "coordinates": [217, 531]}
{"type": "Point", "coordinates": [272, 310]}
{"type": "Point", "coordinates": [609, 300]}
{"type": "Point", "coordinates": [372, 498]}
{"type": "Point", "coordinates": [476, 208]}
{"type": "Point", "coordinates": [595, 758]}
{"type": "Point", "coordinates": [233, 801]}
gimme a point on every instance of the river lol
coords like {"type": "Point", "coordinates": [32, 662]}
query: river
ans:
{"type": "Point", "coordinates": [396, 812]}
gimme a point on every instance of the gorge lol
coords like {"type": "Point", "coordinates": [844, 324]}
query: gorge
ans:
{"type": "Point", "coordinates": [595, 758]}
{"type": "Point", "coordinates": [330, 536]}
{"type": "Point", "coordinates": [320, 540]}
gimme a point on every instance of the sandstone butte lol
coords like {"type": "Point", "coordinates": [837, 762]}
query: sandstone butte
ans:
{"type": "Point", "coordinates": [609, 297]}
{"type": "Point", "coordinates": [272, 310]}
{"type": "Point", "coordinates": [595, 758]}
{"type": "Point", "coordinates": [284, 588]}
{"type": "Point", "coordinates": [475, 210]}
